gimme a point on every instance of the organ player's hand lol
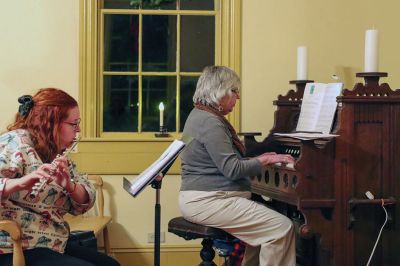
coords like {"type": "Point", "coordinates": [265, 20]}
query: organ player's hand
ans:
{"type": "Point", "coordinates": [272, 158]}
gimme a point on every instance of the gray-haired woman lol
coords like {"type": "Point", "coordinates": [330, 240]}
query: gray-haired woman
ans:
{"type": "Point", "coordinates": [215, 188]}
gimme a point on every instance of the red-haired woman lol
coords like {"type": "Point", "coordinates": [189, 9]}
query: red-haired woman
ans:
{"type": "Point", "coordinates": [45, 126]}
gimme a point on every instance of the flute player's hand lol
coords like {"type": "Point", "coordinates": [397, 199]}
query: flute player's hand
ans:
{"type": "Point", "coordinates": [26, 182]}
{"type": "Point", "coordinates": [61, 173]}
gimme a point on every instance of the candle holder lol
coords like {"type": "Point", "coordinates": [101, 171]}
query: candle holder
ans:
{"type": "Point", "coordinates": [163, 133]}
{"type": "Point", "coordinates": [293, 96]}
{"type": "Point", "coordinates": [300, 85]}
{"type": "Point", "coordinates": [371, 78]}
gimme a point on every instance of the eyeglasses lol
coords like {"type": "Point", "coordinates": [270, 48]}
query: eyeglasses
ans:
{"type": "Point", "coordinates": [74, 125]}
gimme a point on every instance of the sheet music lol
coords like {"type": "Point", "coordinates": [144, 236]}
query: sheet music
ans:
{"type": "Point", "coordinates": [318, 107]}
{"type": "Point", "coordinates": [328, 107]}
{"type": "Point", "coordinates": [310, 107]}
{"type": "Point", "coordinates": [166, 158]}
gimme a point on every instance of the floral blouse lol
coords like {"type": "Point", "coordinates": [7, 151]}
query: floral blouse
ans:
{"type": "Point", "coordinates": [41, 217]}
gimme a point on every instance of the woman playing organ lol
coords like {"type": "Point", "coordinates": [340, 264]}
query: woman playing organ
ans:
{"type": "Point", "coordinates": [215, 187]}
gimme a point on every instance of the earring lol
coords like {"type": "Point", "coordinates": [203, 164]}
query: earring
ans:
{"type": "Point", "coordinates": [220, 108]}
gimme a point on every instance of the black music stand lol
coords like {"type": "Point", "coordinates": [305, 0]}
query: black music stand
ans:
{"type": "Point", "coordinates": [157, 217]}
{"type": "Point", "coordinates": [157, 222]}
{"type": "Point", "coordinates": [157, 210]}
{"type": "Point", "coordinates": [148, 178]}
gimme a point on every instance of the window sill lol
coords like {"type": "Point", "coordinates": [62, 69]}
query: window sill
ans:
{"type": "Point", "coordinates": [114, 155]}
{"type": "Point", "coordinates": [128, 137]}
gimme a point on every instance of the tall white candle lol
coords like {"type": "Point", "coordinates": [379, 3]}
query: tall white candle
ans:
{"type": "Point", "coordinates": [161, 108]}
{"type": "Point", "coordinates": [302, 63]}
{"type": "Point", "coordinates": [371, 51]}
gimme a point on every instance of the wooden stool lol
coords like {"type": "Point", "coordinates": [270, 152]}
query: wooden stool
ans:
{"type": "Point", "coordinates": [180, 227]}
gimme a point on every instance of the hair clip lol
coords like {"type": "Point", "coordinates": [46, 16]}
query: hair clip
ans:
{"type": "Point", "coordinates": [26, 104]}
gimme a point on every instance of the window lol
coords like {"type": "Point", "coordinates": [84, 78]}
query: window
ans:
{"type": "Point", "coordinates": [152, 52]}
{"type": "Point", "coordinates": [138, 53]}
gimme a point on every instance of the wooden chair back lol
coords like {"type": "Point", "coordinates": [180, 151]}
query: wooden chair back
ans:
{"type": "Point", "coordinates": [97, 222]}
{"type": "Point", "coordinates": [15, 232]}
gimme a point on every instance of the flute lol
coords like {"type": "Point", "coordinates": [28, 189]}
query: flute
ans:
{"type": "Point", "coordinates": [39, 186]}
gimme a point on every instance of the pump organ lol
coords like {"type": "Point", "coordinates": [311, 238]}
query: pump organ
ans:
{"type": "Point", "coordinates": [324, 192]}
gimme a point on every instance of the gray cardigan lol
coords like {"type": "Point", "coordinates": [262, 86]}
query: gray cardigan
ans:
{"type": "Point", "coordinates": [211, 162]}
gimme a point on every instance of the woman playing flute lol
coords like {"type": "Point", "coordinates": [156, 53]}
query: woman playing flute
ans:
{"type": "Point", "coordinates": [30, 154]}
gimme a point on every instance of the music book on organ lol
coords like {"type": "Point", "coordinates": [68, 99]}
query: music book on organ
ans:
{"type": "Point", "coordinates": [317, 111]}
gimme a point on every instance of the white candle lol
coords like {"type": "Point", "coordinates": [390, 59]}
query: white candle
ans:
{"type": "Point", "coordinates": [161, 108]}
{"type": "Point", "coordinates": [371, 51]}
{"type": "Point", "coordinates": [302, 63]}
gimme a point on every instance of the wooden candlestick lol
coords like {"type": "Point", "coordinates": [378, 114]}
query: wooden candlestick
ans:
{"type": "Point", "coordinates": [371, 78]}
{"type": "Point", "coordinates": [300, 85]}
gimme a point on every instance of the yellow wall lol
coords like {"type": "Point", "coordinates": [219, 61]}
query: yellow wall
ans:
{"type": "Point", "coordinates": [39, 48]}
{"type": "Point", "coordinates": [133, 221]}
{"type": "Point", "coordinates": [133, 217]}
{"type": "Point", "coordinates": [332, 30]}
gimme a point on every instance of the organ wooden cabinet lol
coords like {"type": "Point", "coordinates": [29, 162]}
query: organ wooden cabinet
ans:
{"type": "Point", "coordinates": [324, 193]}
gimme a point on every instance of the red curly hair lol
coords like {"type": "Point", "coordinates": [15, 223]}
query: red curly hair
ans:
{"type": "Point", "coordinates": [50, 109]}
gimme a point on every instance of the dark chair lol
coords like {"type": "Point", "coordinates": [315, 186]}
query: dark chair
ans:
{"type": "Point", "coordinates": [180, 227]}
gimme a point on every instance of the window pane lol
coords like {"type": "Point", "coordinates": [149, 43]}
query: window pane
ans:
{"type": "Point", "coordinates": [121, 42]}
{"type": "Point", "coordinates": [135, 4]}
{"type": "Point", "coordinates": [159, 4]}
{"type": "Point", "coordinates": [159, 43]}
{"type": "Point", "coordinates": [120, 104]}
{"type": "Point", "coordinates": [197, 4]}
{"type": "Point", "coordinates": [155, 90]}
{"type": "Point", "coordinates": [197, 42]}
{"type": "Point", "coordinates": [122, 4]}
{"type": "Point", "coordinates": [188, 86]}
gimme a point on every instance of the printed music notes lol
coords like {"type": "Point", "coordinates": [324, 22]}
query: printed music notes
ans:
{"type": "Point", "coordinates": [317, 111]}
{"type": "Point", "coordinates": [160, 166]}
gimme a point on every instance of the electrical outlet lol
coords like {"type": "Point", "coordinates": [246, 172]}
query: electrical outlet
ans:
{"type": "Point", "coordinates": [150, 237]}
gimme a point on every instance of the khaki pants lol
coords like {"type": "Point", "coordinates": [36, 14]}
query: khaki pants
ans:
{"type": "Point", "coordinates": [269, 235]}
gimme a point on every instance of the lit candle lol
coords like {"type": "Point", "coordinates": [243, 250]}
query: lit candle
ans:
{"type": "Point", "coordinates": [302, 63]}
{"type": "Point", "coordinates": [371, 51]}
{"type": "Point", "coordinates": [161, 108]}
